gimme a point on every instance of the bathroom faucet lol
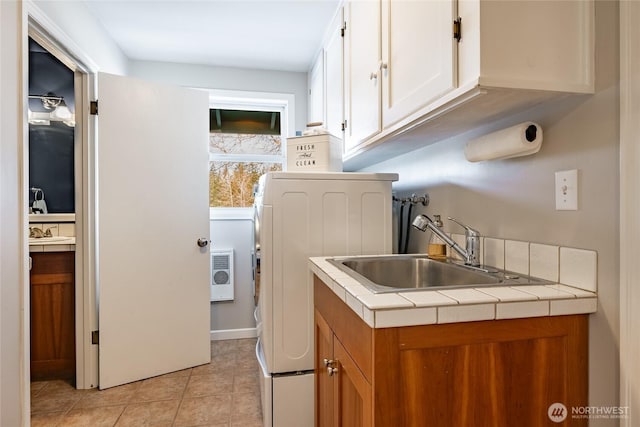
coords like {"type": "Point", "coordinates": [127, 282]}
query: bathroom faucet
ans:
{"type": "Point", "coordinates": [471, 254]}
{"type": "Point", "coordinates": [36, 232]}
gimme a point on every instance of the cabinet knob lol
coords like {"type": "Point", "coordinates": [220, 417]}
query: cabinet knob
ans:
{"type": "Point", "coordinates": [331, 371]}
{"type": "Point", "coordinates": [373, 76]}
{"type": "Point", "coordinates": [327, 362]}
{"type": "Point", "coordinates": [383, 65]}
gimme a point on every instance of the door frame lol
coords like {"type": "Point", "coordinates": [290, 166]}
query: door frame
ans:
{"type": "Point", "coordinates": [51, 37]}
{"type": "Point", "coordinates": [629, 211]}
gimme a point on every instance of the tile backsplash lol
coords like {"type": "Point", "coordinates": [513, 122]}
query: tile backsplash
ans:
{"type": "Point", "coordinates": [67, 229]}
{"type": "Point", "coordinates": [570, 266]}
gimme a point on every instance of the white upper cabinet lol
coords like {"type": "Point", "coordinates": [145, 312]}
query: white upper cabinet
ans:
{"type": "Point", "coordinates": [362, 65]}
{"type": "Point", "coordinates": [333, 60]}
{"type": "Point", "coordinates": [325, 80]}
{"type": "Point", "coordinates": [315, 81]}
{"type": "Point", "coordinates": [409, 81]}
{"type": "Point", "coordinates": [418, 55]}
{"type": "Point", "coordinates": [528, 44]}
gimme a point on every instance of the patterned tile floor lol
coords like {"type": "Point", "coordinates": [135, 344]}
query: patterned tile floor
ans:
{"type": "Point", "coordinates": [224, 393]}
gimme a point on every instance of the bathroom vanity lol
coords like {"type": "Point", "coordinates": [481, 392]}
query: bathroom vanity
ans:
{"type": "Point", "coordinates": [52, 315]}
{"type": "Point", "coordinates": [52, 300]}
{"type": "Point", "coordinates": [383, 360]}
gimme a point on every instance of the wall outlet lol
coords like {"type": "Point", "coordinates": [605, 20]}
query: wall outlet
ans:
{"type": "Point", "coordinates": [567, 190]}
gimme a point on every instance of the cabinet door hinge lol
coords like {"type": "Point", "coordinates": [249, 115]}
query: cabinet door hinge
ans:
{"type": "Point", "coordinates": [344, 125]}
{"type": "Point", "coordinates": [93, 108]}
{"type": "Point", "coordinates": [457, 29]}
{"type": "Point", "coordinates": [343, 29]}
{"type": "Point", "coordinates": [95, 337]}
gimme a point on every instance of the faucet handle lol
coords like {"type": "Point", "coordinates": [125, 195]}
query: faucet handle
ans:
{"type": "Point", "coordinates": [48, 233]}
{"type": "Point", "coordinates": [469, 231]}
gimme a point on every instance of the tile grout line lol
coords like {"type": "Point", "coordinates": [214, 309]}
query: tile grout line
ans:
{"type": "Point", "coordinates": [231, 350]}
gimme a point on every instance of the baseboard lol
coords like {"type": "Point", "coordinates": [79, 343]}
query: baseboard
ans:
{"type": "Point", "coordinates": [233, 334]}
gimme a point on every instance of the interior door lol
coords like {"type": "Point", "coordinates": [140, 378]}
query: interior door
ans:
{"type": "Point", "coordinates": [152, 207]}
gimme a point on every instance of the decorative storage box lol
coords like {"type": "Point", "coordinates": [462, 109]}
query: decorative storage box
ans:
{"type": "Point", "coordinates": [314, 153]}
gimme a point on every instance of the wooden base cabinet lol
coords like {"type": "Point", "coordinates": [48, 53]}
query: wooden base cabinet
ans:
{"type": "Point", "coordinates": [53, 348]}
{"type": "Point", "coordinates": [492, 373]}
{"type": "Point", "coordinates": [345, 394]}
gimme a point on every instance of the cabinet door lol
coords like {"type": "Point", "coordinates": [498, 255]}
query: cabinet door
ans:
{"type": "Point", "coordinates": [53, 349]}
{"type": "Point", "coordinates": [333, 54]}
{"type": "Point", "coordinates": [418, 55]}
{"type": "Point", "coordinates": [316, 90]}
{"type": "Point", "coordinates": [324, 383]}
{"type": "Point", "coordinates": [362, 71]}
{"type": "Point", "coordinates": [352, 393]}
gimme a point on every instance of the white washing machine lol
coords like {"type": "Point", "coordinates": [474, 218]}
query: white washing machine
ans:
{"type": "Point", "coordinates": [300, 215]}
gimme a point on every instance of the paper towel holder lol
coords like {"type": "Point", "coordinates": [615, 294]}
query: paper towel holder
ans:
{"type": "Point", "coordinates": [522, 139]}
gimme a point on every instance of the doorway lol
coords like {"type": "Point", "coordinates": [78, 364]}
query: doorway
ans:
{"type": "Point", "coordinates": [51, 119]}
{"type": "Point", "coordinates": [59, 85]}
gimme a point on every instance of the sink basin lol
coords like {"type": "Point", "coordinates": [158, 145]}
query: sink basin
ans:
{"type": "Point", "coordinates": [399, 273]}
{"type": "Point", "coordinates": [42, 240]}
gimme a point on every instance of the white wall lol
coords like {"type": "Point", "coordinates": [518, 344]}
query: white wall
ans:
{"type": "Point", "coordinates": [87, 34]}
{"type": "Point", "coordinates": [209, 77]}
{"type": "Point", "coordinates": [514, 199]}
{"type": "Point", "coordinates": [236, 234]}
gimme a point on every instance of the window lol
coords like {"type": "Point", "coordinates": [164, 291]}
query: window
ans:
{"type": "Point", "coordinates": [243, 145]}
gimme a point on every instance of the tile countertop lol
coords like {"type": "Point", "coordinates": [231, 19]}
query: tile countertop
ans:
{"type": "Point", "coordinates": [62, 245]}
{"type": "Point", "coordinates": [452, 305]}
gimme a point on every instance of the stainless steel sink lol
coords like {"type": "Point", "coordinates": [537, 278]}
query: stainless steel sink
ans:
{"type": "Point", "coordinates": [399, 273]}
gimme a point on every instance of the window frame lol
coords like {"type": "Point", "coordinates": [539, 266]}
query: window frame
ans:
{"type": "Point", "coordinates": [252, 101]}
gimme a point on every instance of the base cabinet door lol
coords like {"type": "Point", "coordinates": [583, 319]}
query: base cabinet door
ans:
{"type": "Point", "coordinates": [352, 392]}
{"type": "Point", "coordinates": [52, 305]}
{"type": "Point", "coordinates": [343, 394]}
{"type": "Point", "coordinates": [324, 401]}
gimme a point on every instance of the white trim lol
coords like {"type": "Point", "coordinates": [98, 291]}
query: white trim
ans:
{"type": "Point", "coordinates": [233, 334]}
{"type": "Point", "coordinates": [219, 98]}
{"type": "Point", "coordinates": [253, 158]}
{"type": "Point", "coordinates": [629, 211]}
{"type": "Point", "coordinates": [73, 56]}
{"type": "Point", "coordinates": [230, 214]}
{"type": "Point", "coordinates": [79, 58]}
{"type": "Point", "coordinates": [56, 217]}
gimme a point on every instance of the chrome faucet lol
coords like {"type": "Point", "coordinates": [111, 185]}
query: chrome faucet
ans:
{"type": "Point", "coordinates": [471, 254]}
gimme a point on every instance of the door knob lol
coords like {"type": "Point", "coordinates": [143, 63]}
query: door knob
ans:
{"type": "Point", "coordinates": [202, 242]}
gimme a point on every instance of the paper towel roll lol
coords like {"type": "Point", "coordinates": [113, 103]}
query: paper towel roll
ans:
{"type": "Point", "coordinates": [519, 140]}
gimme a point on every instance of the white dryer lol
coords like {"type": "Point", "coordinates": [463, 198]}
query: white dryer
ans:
{"type": "Point", "coordinates": [301, 215]}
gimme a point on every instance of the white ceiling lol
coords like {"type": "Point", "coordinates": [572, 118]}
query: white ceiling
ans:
{"type": "Point", "coordinates": [258, 34]}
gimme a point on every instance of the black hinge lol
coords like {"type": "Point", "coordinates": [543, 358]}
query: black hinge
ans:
{"type": "Point", "coordinates": [93, 108]}
{"type": "Point", "coordinates": [344, 125]}
{"type": "Point", "coordinates": [343, 29]}
{"type": "Point", "coordinates": [95, 337]}
{"type": "Point", "coordinates": [457, 29]}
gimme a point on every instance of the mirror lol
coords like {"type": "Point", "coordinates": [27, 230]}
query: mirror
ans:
{"type": "Point", "coordinates": [51, 133]}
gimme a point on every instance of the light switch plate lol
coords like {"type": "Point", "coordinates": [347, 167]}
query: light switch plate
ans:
{"type": "Point", "coordinates": [567, 190]}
